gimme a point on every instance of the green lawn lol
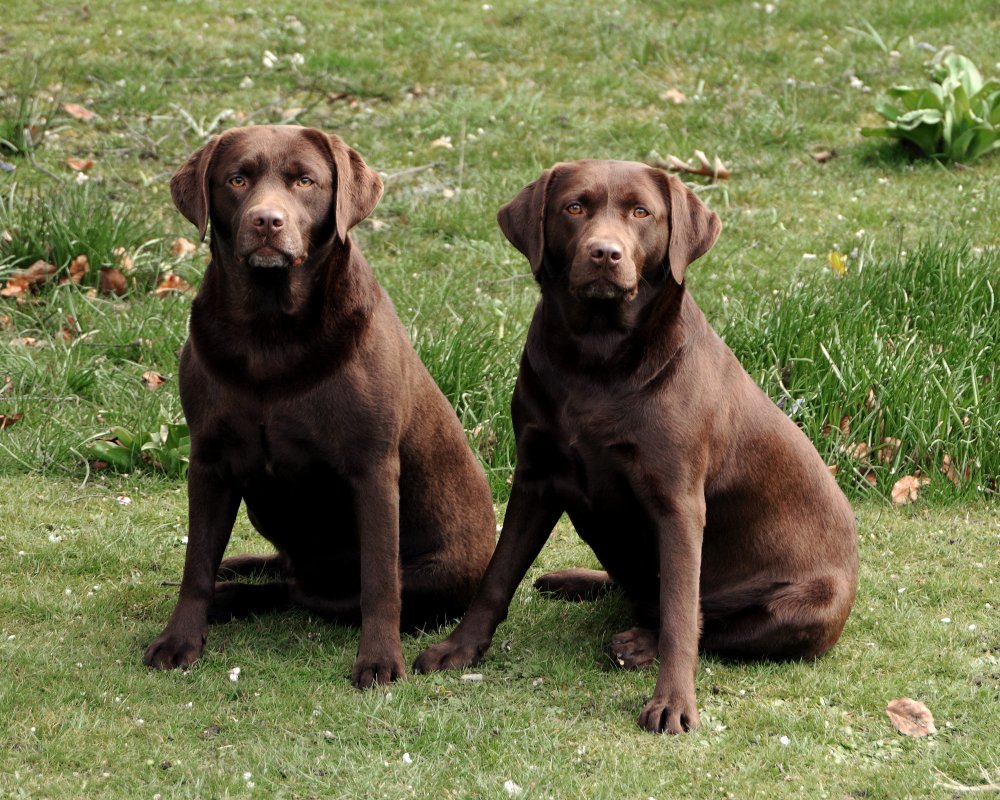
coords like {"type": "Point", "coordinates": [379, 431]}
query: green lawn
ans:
{"type": "Point", "coordinates": [83, 718]}
{"type": "Point", "coordinates": [458, 106]}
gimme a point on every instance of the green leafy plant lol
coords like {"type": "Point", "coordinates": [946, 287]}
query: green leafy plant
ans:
{"type": "Point", "coordinates": [955, 115]}
{"type": "Point", "coordinates": [166, 449]}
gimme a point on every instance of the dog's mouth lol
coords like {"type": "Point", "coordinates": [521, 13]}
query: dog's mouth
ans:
{"type": "Point", "coordinates": [603, 289]}
{"type": "Point", "coordinates": [269, 257]}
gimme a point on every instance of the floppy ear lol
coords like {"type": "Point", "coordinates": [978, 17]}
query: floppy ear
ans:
{"type": "Point", "coordinates": [189, 186]}
{"type": "Point", "coordinates": [693, 227]}
{"type": "Point", "coordinates": [359, 188]}
{"type": "Point", "coordinates": [522, 220]}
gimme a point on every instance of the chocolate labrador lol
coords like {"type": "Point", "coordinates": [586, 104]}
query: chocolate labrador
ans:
{"type": "Point", "coordinates": [706, 505]}
{"type": "Point", "coordinates": [306, 400]}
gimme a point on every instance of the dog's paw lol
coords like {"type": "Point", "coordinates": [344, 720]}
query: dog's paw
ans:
{"type": "Point", "coordinates": [669, 715]}
{"type": "Point", "coordinates": [447, 655]}
{"type": "Point", "coordinates": [172, 650]}
{"type": "Point", "coordinates": [635, 648]}
{"type": "Point", "coordinates": [377, 670]}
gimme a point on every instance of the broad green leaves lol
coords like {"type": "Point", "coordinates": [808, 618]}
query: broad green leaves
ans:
{"type": "Point", "coordinates": [955, 116]}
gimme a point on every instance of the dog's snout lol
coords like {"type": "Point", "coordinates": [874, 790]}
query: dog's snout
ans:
{"type": "Point", "coordinates": [605, 252]}
{"type": "Point", "coordinates": [267, 219]}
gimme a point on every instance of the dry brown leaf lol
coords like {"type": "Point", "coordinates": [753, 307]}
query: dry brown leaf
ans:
{"type": "Point", "coordinates": [868, 475]}
{"type": "Point", "coordinates": [112, 281]}
{"type": "Point", "coordinates": [834, 468]}
{"type": "Point", "coordinates": [79, 112]}
{"type": "Point", "coordinates": [443, 142]}
{"type": "Point", "coordinates": [910, 717]}
{"type": "Point", "coordinates": [675, 96]}
{"type": "Point", "coordinates": [31, 341]}
{"type": "Point", "coordinates": [182, 247]}
{"type": "Point", "coordinates": [907, 488]}
{"type": "Point", "coordinates": [845, 425]}
{"type": "Point", "coordinates": [8, 385]}
{"type": "Point", "coordinates": [951, 473]}
{"type": "Point", "coordinates": [172, 284]}
{"type": "Point", "coordinates": [70, 330]}
{"type": "Point", "coordinates": [78, 267]}
{"type": "Point", "coordinates": [887, 452]}
{"type": "Point", "coordinates": [858, 450]}
{"type": "Point", "coordinates": [6, 420]}
{"type": "Point", "coordinates": [823, 155]}
{"type": "Point", "coordinates": [6, 322]}
{"type": "Point", "coordinates": [21, 281]}
{"type": "Point", "coordinates": [153, 380]}
{"type": "Point", "coordinates": [871, 402]}
{"type": "Point", "coordinates": [124, 259]}
{"type": "Point", "coordinates": [79, 164]}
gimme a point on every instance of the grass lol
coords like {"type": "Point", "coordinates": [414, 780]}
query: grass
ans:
{"type": "Point", "coordinates": [904, 345]}
{"type": "Point", "coordinates": [84, 719]}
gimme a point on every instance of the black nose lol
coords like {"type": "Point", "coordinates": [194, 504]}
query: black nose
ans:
{"type": "Point", "coordinates": [267, 219]}
{"type": "Point", "coordinates": [604, 253]}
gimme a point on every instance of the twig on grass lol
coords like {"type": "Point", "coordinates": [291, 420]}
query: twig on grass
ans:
{"type": "Point", "coordinates": [954, 786]}
{"type": "Point", "coordinates": [405, 173]}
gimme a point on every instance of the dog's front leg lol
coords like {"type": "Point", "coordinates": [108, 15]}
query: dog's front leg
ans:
{"type": "Point", "coordinates": [212, 507]}
{"type": "Point", "coordinates": [531, 515]}
{"type": "Point", "coordinates": [672, 708]}
{"type": "Point", "coordinates": [380, 652]}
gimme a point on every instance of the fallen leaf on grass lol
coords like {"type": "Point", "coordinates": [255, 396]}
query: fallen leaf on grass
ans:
{"type": "Point", "coordinates": [182, 247]}
{"type": "Point", "coordinates": [910, 717]}
{"type": "Point", "coordinates": [675, 96]}
{"type": "Point", "coordinates": [715, 170]}
{"type": "Point", "coordinates": [8, 385]}
{"type": "Point", "coordinates": [23, 280]}
{"type": "Point", "coordinates": [112, 281]}
{"type": "Point", "coordinates": [70, 330]}
{"type": "Point", "coordinates": [907, 488]}
{"type": "Point", "coordinates": [78, 267]}
{"type": "Point", "coordinates": [6, 420]}
{"type": "Point", "coordinates": [152, 379]}
{"type": "Point", "coordinates": [79, 164]}
{"type": "Point", "coordinates": [172, 284]}
{"type": "Point", "coordinates": [950, 472]}
{"type": "Point", "coordinates": [79, 112]}
{"type": "Point", "coordinates": [124, 259]}
{"type": "Point", "coordinates": [6, 322]}
{"type": "Point", "coordinates": [887, 452]}
{"type": "Point", "coordinates": [824, 155]}
{"type": "Point", "coordinates": [443, 142]}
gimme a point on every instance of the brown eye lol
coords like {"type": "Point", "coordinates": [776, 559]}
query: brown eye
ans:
{"type": "Point", "coordinates": [238, 181]}
{"type": "Point", "coordinates": [305, 180]}
{"type": "Point", "coordinates": [575, 209]}
{"type": "Point", "coordinates": [640, 212]}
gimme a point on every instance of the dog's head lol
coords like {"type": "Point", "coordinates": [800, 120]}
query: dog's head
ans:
{"type": "Point", "coordinates": [609, 225]}
{"type": "Point", "coordinates": [274, 193]}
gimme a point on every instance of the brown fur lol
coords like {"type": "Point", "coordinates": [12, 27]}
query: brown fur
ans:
{"type": "Point", "coordinates": [306, 400]}
{"type": "Point", "coordinates": [706, 505]}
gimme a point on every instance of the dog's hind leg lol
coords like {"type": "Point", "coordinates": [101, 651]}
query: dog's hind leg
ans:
{"type": "Point", "coordinates": [781, 620]}
{"type": "Point", "coordinates": [269, 566]}
{"type": "Point", "coordinates": [235, 600]}
{"type": "Point", "coordinates": [575, 584]}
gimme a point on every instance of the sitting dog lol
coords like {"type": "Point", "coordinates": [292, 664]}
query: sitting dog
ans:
{"type": "Point", "coordinates": [306, 400]}
{"type": "Point", "coordinates": [706, 505]}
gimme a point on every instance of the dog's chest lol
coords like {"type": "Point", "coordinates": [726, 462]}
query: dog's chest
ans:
{"type": "Point", "coordinates": [599, 455]}
{"type": "Point", "coordinates": [252, 448]}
